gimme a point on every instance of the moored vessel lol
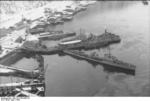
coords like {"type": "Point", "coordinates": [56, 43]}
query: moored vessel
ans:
{"type": "Point", "coordinates": [106, 60]}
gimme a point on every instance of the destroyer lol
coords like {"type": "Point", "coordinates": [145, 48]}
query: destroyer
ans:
{"type": "Point", "coordinates": [91, 42]}
{"type": "Point", "coordinates": [108, 59]}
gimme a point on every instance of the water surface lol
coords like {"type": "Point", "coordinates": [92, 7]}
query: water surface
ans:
{"type": "Point", "coordinates": [66, 76]}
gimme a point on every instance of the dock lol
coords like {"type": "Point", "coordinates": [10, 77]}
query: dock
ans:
{"type": "Point", "coordinates": [33, 87]}
{"type": "Point", "coordinates": [11, 58]}
{"type": "Point", "coordinates": [12, 71]}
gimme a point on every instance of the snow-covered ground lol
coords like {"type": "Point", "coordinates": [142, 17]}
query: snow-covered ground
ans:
{"type": "Point", "coordinates": [8, 42]}
{"type": "Point", "coordinates": [9, 20]}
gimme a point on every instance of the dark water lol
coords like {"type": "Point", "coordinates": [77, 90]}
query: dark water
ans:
{"type": "Point", "coordinates": [67, 76]}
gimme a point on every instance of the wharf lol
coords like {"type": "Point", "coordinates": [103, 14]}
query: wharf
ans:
{"type": "Point", "coordinates": [33, 87]}
{"type": "Point", "coordinates": [11, 71]}
{"type": "Point", "coordinates": [11, 58]}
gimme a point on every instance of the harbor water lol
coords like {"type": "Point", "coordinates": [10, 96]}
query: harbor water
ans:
{"type": "Point", "coordinates": [66, 76]}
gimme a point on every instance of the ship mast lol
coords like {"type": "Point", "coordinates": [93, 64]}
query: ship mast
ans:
{"type": "Point", "coordinates": [109, 52]}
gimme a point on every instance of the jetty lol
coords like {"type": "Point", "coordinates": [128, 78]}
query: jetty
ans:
{"type": "Point", "coordinates": [8, 58]}
{"type": "Point", "coordinates": [12, 71]}
{"type": "Point", "coordinates": [33, 87]}
{"type": "Point", "coordinates": [106, 60]}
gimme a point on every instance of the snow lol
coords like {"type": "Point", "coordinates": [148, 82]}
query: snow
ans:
{"type": "Point", "coordinates": [70, 42]}
{"type": "Point", "coordinates": [32, 38]}
{"type": "Point", "coordinates": [6, 20]}
{"type": "Point", "coordinates": [8, 42]}
{"type": "Point", "coordinates": [4, 70]}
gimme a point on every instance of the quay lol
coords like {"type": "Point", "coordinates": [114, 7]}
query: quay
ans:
{"type": "Point", "coordinates": [11, 58]}
{"type": "Point", "coordinates": [33, 87]}
{"type": "Point", "coordinates": [115, 63]}
{"type": "Point", "coordinates": [12, 71]}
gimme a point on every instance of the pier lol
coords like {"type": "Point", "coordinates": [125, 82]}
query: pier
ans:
{"type": "Point", "coordinates": [33, 87]}
{"type": "Point", "coordinates": [12, 71]}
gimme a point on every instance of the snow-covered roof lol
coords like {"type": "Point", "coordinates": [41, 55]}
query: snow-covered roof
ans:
{"type": "Point", "coordinates": [70, 42]}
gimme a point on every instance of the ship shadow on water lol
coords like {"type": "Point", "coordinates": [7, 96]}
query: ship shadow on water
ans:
{"type": "Point", "coordinates": [111, 69]}
{"type": "Point", "coordinates": [107, 68]}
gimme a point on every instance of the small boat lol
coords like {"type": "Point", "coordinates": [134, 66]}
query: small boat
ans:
{"type": "Point", "coordinates": [80, 8]}
{"type": "Point", "coordinates": [67, 17]}
{"type": "Point", "coordinates": [36, 30]}
{"type": "Point", "coordinates": [44, 33]}
{"type": "Point", "coordinates": [145, 2]}
{"type": "Point", "coordinates": [68, 13]}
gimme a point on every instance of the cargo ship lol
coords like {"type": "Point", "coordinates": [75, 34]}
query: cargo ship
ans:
{"type": "Point", "coordinates": [108, 59]}
{"type": "Point", "coordinates": [36, 30]}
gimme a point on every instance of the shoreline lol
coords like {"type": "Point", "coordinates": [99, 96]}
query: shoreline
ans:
{"type": "Point", "coordinates": [9, 38]}
{"type": "Point", "coordinates": [38, 12]}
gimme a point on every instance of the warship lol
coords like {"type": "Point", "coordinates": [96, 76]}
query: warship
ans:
{"type": "Point", "coordinates": [91, 42]}
{"type": "Point", "coordinates": [108, 59]}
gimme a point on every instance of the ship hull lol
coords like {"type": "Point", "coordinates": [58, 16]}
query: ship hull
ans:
{"type": "Point", "coordinates": [99, 61]}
